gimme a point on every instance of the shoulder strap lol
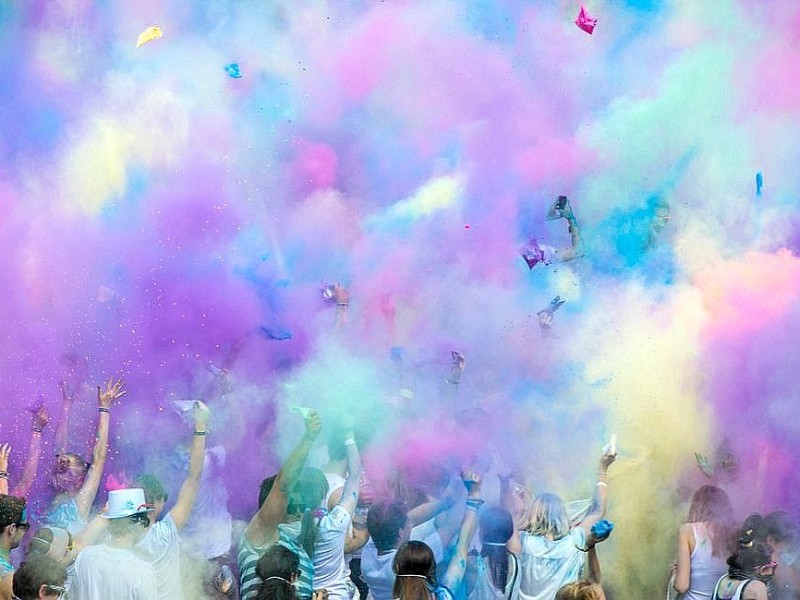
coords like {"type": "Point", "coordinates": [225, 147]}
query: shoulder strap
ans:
{"type": "Point", "coordinates": [512, 582]}
{"type": "Point", "coordinates": [741, 588]}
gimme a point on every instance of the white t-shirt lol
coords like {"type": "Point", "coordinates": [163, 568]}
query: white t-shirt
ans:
{"type": "Point", "coordinates": [330, 571]}
{"type": "Point", "coordinates": [103, 573]}
{"type": "Point", "coordinates": [376, 569]}
{"type": "Point", "coordinates": [547, 565]}
{"type": "Point", "coordinates": [161, 547]}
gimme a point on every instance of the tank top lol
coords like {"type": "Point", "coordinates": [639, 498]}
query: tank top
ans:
{"type": "Point", "coordinates": [706, 569]}
{"type": "Point", "coordinates": [483, 588]}
{"type": "Point", "coordinates": [737, 595]}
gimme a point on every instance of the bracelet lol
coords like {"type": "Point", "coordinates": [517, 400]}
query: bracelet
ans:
{"type": "Point", "coordinates": [4, 475]}
{"type": "Point", "coordinates": [103, 409]}
{"type": "Point", "coordinates": [349, 442]}
{"type": "Point", "coordinates": [342, 304]}
{"type": "Point", "coordinates": [475, 503]}
{"type": "Point", "coordinates": [603, 483]}
{"type": "Point", "coordinates": [38, 429]}
{"type": "Point", "coordinates": [201, 433]}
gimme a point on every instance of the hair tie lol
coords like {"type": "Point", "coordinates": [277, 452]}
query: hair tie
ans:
{"type": "Point", "coordinates": [319, 513]}
{"type": "Point", "coordinates": [412, 575]}
{"type": "Point", "coordinates": [493, 544]}
{"type": "Point", "coordinates": [281, 578]}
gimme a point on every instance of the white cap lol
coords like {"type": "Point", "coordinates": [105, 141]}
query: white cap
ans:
{"type": "Point", "coordinates": [126, 502]}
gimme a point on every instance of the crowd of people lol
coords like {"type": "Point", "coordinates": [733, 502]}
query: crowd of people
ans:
{"type": "Point", "coordinates": [331, 533]}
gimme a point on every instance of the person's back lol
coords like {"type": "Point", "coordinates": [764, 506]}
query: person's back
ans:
{"type": "Point", "coordinates": [706, 569]}
{"type": "Point", "coordinates": [160, 547]}
{"type": "Point", "coordinates": [103, 572]}
{"type": "Point", "coordinates": [546, 565]}
{"type": "Point", "coordinates": [330, 570]}
{"type": "Point", "coordinates": [479, 579]}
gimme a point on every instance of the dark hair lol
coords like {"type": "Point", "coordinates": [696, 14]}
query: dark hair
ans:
{"type": "Point", "coordinates": [153, 488]}
{"type": "Point", "coordinates": [497, 527]}
{"type": "Point", "coordinates": [36, 572]}
{"type": "Point", "coordinates": [280, 564]}
{"type": "Point", "coordinates": [781, 527]}
{"type": "Point", "coordinates": [413, 562]}
{"type": "Point", "coordinates": [12, 510]}
{"type": "Point", "coordinates": [306, 497]}
{"type": "Point", "coordinates": [125, 525]}
{"type": "Point", "coordinates": [711, 505]}
{"type": "Point", "coordinates": [385, 519]}
{"type": "Point", "coordinates": [750, 553]}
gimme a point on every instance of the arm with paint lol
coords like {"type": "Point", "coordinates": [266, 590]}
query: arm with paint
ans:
{"type": "Point", "coordinates": [458, 562]}
{"type": "Point", "coordinates": [105, 398]}
{"type": "Point", "coordinates": [349, 499]}
{"type": "Point", "coordinates": [40, 421]}
{"type": "Point", "coordinates": [563, 208]}
{"type": "Point", "coordinates": [5, 452]}
{"type": "Point", "coordinates": [600, 500]}
{"type": "Point", "coordinates": [263, 527]}
{"type": "Point", "coordinates": [188, 493]}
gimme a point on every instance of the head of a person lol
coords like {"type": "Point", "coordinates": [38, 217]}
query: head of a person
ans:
{"type": "Point", "coordinates": [39, 577]}
{"type": "Point", "coordinates": [496, 525]}
{"type": "Point", "coordinates": [127, 515]}
{"type": "Point", "coordinates": [69, 473]}
{"type": "Point", "coordinates": [710, 503]}
{"type": "Point", "coordinates": [752, 558]}
{"type": "Point", "coordinates": [278, 568]}
{"type": "Point", "coordinates": [414, 570]}
{"type": "Point", "coordinates": [154, 494]}
{"type": "Point", "coordinates": [53, 542]}
{"type": "Point", "coordinates": [781, 529]}
{"type": "Point", "coordinates": [548, 517]}
{"type": "Point", "coordinates": [581, 590]}
{"type": "Point", "coordinates": [387, 523]}
{"type": "Point", "coordinates": [308, 493]}
{"type": "Point", "coordinates": [13, 521]}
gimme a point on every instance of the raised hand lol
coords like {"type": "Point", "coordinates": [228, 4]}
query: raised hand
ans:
{"type": "Point", "coordinates": [113, 391]}
{"type": "Point", "coordinates": [40, 419]}
{"type": "Point", "coordinates": [201, 415]}
{"type": "Point", "coordinates": [5, 452]}
{"type": "Point", "coordinates": [313, 424]}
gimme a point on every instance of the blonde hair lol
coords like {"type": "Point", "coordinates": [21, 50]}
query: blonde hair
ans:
{"type": "Point", "coordinates": [581, 590]}
{"type": "Point", "coordinates": [548, 517]}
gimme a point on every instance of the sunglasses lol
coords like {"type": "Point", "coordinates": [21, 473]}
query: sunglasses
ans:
{"type": "Point", "coordinates": [25, 526]}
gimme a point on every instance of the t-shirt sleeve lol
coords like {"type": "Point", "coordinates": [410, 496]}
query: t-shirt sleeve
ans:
{"type": "Point", "coordinates": [339, 518]}
{"type": "Point", "coordinates": [578, 536]}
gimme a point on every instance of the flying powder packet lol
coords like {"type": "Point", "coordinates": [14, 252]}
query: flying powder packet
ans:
{"type": "Point", "coordinates": [611, 448]}
{"type": "Point", "coordinates": [759, 182]}
{"type": "Point", "coordinates": [233, 70]}
{"type": "Point", "coordinates": [532, 254]}
{"type": "Point", "coordinates": [148, 35]}
{"type": "Point", "coordinates": [303, 411]}
{"type": "Point", "coordinates": [585, 22]}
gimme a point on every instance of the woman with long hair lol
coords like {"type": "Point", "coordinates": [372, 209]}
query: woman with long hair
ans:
{"type": "Point", "coordinates": [704, 541]}
{"type": "Point", "coordinates": [493, 573]}
{"type": "Point", "coordinates": [278, 569]}
{"type": "Point", "coordinates": [552, 550]}
{"type": "Point", "coordinates": [581, 590]}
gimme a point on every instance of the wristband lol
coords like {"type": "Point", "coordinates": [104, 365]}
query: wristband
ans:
{"type": "Point", "coordinates": [349, 442]}
{"type": "Point", "coordinates": [200, 432]}
{"type": "Point", "coordinates": [38, 429]}
{"type": "Point", "coordinates": [475, 503]}
{"type": "Point", "coordinates": [342, 304]}
{"type": "Point", "coordinates": [602, 483]}
{"type": "Point", "coordinates": [103, 409]}
{"type": "Point", "coordinates": [4, 475]}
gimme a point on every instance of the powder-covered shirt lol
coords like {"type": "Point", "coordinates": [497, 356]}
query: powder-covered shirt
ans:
{"type": "Point", "coordinates": [249, 554]}
{"type": "Point", "coordinates": [330, 571]}
{"type": "Point", "coordinates": [103, 573]}
{"type": "Point", "coordinates": [66, 516]}
{"type": "Point", "coordinates": [5, 567]}
{"type": "Point", "coordinates": [161, 547]}
{"type": "Point", "coordinates": [376, 569]}
{"type": "Point", "coordinates": [547, 565]}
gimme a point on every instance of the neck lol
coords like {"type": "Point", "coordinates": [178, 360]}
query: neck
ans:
{"type": "Point", "coordinates": [5, 550]}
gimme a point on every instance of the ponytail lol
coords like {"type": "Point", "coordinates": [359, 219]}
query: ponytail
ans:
{"type": "Point", "coordinates": [309, 530]}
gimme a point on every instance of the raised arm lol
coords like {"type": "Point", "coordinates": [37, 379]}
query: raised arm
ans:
{"type": "Point", "coordinates": [349, 498]}
{"type": "Point", "coordinates": [342, 298]}
{"type": "Point", "coordinates": [188, 493]}
{"type": "Point", "coordinates": [5, 452]}
{"type": "Point", "coordinates": [600, 500]}
{"type": "Point", "coordinates": [105, 398]}
{"type": "Point", "coordinates": [39, 422]}
{"type": "Point", "coordinates": [458, 562]}
{"type": "Point", "coordinates": [62, 429]}
{"type": "Point", "coordinates": [264, 524]}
